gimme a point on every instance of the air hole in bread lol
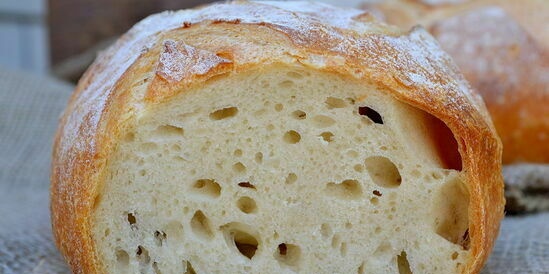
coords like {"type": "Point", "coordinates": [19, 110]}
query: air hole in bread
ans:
{"type": "Point", "coordinates": [291, 178]}
{"type": "Point", "coordinates": [258, 158]}
{"type": "Point", "coordinates": [237, 152]}
{"type": "Point", "coordinates": [383, 249]}
{"type": "Point", "coordinates": [148, 147]}
{"type": "Point", "coordinates": [455, 256]}
{"type": "Point", "coordinates": [286, 84]}
{"type": "Point", "coordinates": [436, 175]}
{"type": "Point", "coordinates": [445, 143]}
{"type": "Point", "coordinates": [336, 241]}
{"type": "Point", "coordinates": [282, 249]}
{"type": "Point", "coordinates": [288, 254]}
{"type": "Point", "coordinates": [403, 264]}
{"type": "Point", "coordinates": [348, 190]}
{"type": "Point", "coordinates": [129, 137]}
{"type": "Point", "coordinates": [179, 159]}
{"type": "Point", "coordinates": [175, 147]}
{"type": "Point", "coordinates": [142, 255]}
{"type": "Point", "coordinates": [333, 102]}
{"type": "Point", "coordinates": [189, 269]}
{"type": "Point", "coordinates": [96, 201]}
{"type": "Point", "coordinates": [451, 212]}
{"type": "Point", "coordinates": [241, 238]}
{"type": "Point", "coordinates": [327, 136]}
{"type": "Point", "coordinates": [246, 205]}
{"type": "Point", "coordinates": [377, 230]}
{"type": "Point", "coordinates": [122, 258]}
{"type": "Point", "coordinates": [246, 185]}
{"type": "Point", "coordinates": [374, 201]}
{"type": "Point", "coordinates": [360, 269]}
{"type": "Point", "coordinates": [465, 240]}
{"type": "Point", "coordinates": [207, 188]}
{"type": "Point", "coordinates": [383, 171]}
{"type": "Point", "coordinates": [294, 74]}
{"type": "Point", "coordinates": [352, 153]}
{"type": "Point", "coordinates": [279, 107]}
{"type": "Point", "coordinates": [156, 269]}
{"type": "Point", "coordinates": [373, 115]}
{"type": "Point", "coordinates": [224, 113]}
{"type": "Point", "coordinates": [259, 112]}
{"type": "Point", "coordinates": [159, 237]}
{"type": "Point", "coordinates": [348, 225]}
{"type": "Point", "coordinates": [292, 137]}
{"type": "Point", "coordinates": [323, 121]}
{"type": "Point", "coordinates": [245, 243]}
{"type": "Point", "coordinates": [200, 226]}
{"type": "Point", "coordinates": [173, 231]}
{"type": "Point", "coordinates": [299, 114]}
{"type": "Point", "coordinates": [168, 131]}
{"type": "Point", "coordinates": [325, 230]}
{"type": "Point", "coordinates": [239, 167]}
{"type": "Point", "coordinates": [131, 219]}
{"type": "Point", "coordinates": [343, 249]}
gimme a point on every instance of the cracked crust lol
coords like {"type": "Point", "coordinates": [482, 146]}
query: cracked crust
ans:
{"type": "Point", "coordinates": [223, 39]}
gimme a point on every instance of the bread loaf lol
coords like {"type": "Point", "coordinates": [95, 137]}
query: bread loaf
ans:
{"type": "Point", "coordinates": [275, 137]}
{"type": "Point", "coordinates": [502, 47]}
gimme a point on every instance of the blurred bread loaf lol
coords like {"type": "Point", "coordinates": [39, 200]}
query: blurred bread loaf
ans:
{"type": "Point", "coordinates": [275, 137]}
{"type": "Point", "coordinates": [502, 48]}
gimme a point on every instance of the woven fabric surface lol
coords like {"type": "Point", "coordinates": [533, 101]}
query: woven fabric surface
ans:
{"type": "Point", "coordinates": [29, 110]}
{"type": "Point", "coordinates": [526, 188]}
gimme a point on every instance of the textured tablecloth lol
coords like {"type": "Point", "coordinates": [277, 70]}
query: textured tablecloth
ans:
{"type": "Point", "coordinates": [29, 109]}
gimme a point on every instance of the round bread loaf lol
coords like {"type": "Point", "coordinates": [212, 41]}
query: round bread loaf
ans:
{"type": "Point", "coordinates": [275, 137]}
{"type": "Point", "coordinates": [502, 48]}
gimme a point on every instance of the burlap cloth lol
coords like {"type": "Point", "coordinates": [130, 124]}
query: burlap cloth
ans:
{"type": "Point", "coordinates": [29, 108]}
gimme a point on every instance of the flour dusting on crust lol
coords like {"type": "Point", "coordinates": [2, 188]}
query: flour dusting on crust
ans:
{"type": "Point", "coordinates": [179, 60]}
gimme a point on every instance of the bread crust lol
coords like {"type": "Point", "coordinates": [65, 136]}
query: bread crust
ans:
{"type": "Point", "coordinates": [170, 52]}
{"type": "Point", "coordinates": [502, 47]}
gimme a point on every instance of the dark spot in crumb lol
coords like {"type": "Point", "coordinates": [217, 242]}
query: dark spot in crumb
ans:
{"type": "Point", "coordinates": [282, 249]}
{"type": "Point", "coordinates": [246, 184]}
{"type": "Point", "coordinates": [131, 219]}
{"type": "Point", "coordinates": [370, 113]}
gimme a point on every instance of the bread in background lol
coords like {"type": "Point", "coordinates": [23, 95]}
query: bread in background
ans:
{"type": "Point", "coordinates": [502, 48]}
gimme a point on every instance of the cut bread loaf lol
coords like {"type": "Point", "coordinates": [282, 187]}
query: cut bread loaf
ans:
{"type": "Point", "coordinates": [275, 137]}
{"type": "Point", "coordinates": [502, 48]}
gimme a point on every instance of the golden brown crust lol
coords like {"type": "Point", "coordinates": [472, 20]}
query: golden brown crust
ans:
{"type": "Point", "coordinates": [502, 47]}
{"type": "Point", "coordinates": [232, 37]}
